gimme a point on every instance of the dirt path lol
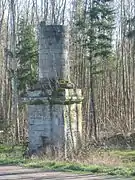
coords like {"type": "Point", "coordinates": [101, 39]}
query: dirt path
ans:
{"type": "Point", "coordinates": [17, 173]}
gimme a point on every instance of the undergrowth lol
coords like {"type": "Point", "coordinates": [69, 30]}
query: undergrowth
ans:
{"type": "Point", "coordinates": [110, 162]}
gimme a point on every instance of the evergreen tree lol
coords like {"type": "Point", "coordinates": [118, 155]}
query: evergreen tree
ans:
{"type": "Point", "coordinates": [96, 24]}
{"type": "Point", "coordinates": [27, 56]}
{"type": "Point", "coordinates": [100, 26]}
{"type": "Point", "coordinates": [131, 24]}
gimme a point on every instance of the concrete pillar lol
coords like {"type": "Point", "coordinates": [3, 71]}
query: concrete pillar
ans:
{"type": "Point", "coordinates": [54, 115]}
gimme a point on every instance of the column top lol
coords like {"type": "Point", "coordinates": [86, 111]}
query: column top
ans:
{"type": "Point", "coordinates": [53, 28]}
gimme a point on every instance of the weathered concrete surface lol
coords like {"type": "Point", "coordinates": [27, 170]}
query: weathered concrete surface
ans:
{"type": "Point", "coordinates": [17, 173]}
{"type": "Point", "coordinates": [55, 109]}
{"type": "Point", "coordinates": [53, 52]}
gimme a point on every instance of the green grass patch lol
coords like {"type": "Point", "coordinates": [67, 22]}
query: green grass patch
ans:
{"type": "Point", "coordinates": [7, 161]}
{"type": "Point", "coordinates": [64, 166]}
{"type": "Point", "coordinates": [124, 153]}
{"type": "Point", "coordinates": [80, 168]}
{"type": "Point", "coordinates": [13, 155]}
{"type": "Point", "coordinates": [127, 157]}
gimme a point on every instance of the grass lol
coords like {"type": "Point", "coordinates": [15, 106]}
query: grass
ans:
{"type": "Point", "coordinates": [11, 155]}
{"type": "Point", "coordinates": [81, 168]}
{"type": "Point", "coordinates": [112, 162]}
